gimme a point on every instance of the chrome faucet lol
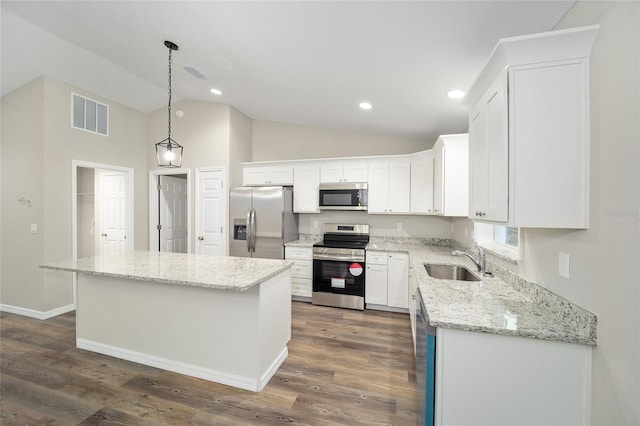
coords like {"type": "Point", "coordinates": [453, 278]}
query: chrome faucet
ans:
{"type": "Point", "coordinates": [480, 263]}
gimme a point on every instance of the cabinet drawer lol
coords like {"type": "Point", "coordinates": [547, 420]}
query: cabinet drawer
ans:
{"type": "Point", "coordinates": [301, 287]}
{"type": "Point", "coordinates": [302, 269]}
{"type": "Point", "coordinates": [377, 257]}
{"type": "Point", "coordinates": [302, 253]}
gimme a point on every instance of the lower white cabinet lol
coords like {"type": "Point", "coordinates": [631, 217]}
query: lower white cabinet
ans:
{"type": "Point", "coordinates": [301, 271]}
{"type": "Point", "coordinates": [414, 305]}
{"type": "Point", "coordinates": [387, 279]}
{"type": "Point", "coordinates": [489, 379]}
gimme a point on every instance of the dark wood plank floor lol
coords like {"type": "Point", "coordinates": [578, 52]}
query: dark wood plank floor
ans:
{"type": "Point", "coordinates": [344, 368]}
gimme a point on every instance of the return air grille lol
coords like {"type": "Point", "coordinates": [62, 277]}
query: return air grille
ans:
{"type": "Point", "coordinates": [90, 115]}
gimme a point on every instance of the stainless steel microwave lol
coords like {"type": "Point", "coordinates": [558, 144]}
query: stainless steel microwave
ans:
{"type": "Point", "coordinates": [343, 196]}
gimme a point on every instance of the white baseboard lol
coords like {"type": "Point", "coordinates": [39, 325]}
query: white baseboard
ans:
{"type": "Point", "coordinates": [32, 313]}
{"type": "Point", "coordinates": [242, 382]}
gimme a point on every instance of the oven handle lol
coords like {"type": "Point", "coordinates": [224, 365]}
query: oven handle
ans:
{"type": "Point", "coordinates": [338, 258]}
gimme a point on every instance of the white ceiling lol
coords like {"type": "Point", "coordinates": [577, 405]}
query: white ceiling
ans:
{"type": "Point", "coordinates": [304, 62]}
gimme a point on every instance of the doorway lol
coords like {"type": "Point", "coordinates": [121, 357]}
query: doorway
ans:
{"type": "Point", "coordinates": [169, 211]}
{"type": "Point", "coordinates": [101, 210]}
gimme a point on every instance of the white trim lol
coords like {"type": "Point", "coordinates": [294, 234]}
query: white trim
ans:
{"type": "Point", "coordinates": [185, 368]}
{"type": "Point", "coordinates": [32, 313]}
{"type": "Point", "coordinates": [153, 205]}
{"type": "Point", "coordinates": [483, 236]}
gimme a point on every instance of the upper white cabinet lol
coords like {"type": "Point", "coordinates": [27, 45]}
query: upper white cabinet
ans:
{"type": "Point", "coordinates": [529, 132]}
{"type": "Point", "coordinates": [451, 175]}
{"type": "Point", "coordinates": [343, 171]}
{"type": "Point", "coordinates": [422, 182]}
{"type": "Point", "coordinates": [306, 182]}
{"type": "Point", "coordinates": [267, 175]}
{"type": "Point", "coordinates": [389, 186]}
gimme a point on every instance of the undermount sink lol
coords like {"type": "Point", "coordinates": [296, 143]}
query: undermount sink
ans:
{"type": "Point", "coordinates": [450, 272]}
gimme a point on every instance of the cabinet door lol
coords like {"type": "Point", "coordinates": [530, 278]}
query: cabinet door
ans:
{"type": "Point", "coordinates": [376, 285]}
{"type": "Point", "coordinates": [398, 280]}
{"type": "Point", "coordinates": [356, 172]}
{"type": "Point", "coordinates": [438, 179]}
{"type": "Point", "coordinates": [331, 172]}
{"type": "Point", "coordinates": [252, 176]}
{"type": "Point", "coordinates": [422, 183]}
{"type": "Point", "coordinates": [413, 305]}
{"type": "Point", "coordinates": [489, 154]}
{"type": "Point", "coordinates": [378, 188]}
{"type": "Point", "coordinates": [399, 187]}
{"type": "Point", "coordinates": [281, 175]}
{"type": "Point", "coordinates": [306, 180]}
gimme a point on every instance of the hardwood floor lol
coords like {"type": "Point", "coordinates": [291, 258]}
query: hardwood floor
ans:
{"type": "Point", "coordinates": [344, 368]}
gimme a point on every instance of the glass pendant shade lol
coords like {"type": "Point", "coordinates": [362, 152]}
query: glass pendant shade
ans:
{"type": "Point", "coordinates": [169, 153]}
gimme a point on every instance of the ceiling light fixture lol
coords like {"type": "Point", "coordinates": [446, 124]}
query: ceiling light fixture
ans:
{"type": "Point", "coordinates": [456, 94]}
{"type": "Point", "coordinates": [168, 151]}
{"type": "Point", "coordinates": [215, 91]}
{"type": "Point", "coordinates": [365, 105]}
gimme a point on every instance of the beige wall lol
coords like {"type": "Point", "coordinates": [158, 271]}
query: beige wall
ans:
{"type": "Point", "coordinates": [43, 166]}
{"type": "Point", "coordinates": [240, 145]}
{"type": "Point", "coordinates": [280, 141]}
{"type": "Point", "coordinates": [604, 267]}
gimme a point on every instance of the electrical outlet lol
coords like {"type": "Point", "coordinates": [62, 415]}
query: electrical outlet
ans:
{"type": "Point", "coordinates": [34, 228]}
{"type": "Point", "coordinates": [399, 226]}
{"type": "Point", "coordinates": [564, 261]}
{"type": "Point", "coordinates": [315, 224]}
{"type": "Point", "coordinates": [466, 232]}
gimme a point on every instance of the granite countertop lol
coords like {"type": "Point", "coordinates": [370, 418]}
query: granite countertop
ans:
{"type": "Point", "coordinates": [504, 304]}
{"type": "Point", "coordinates": [303, 242]}
{"type": "Point", "coordinates": [216, 272]}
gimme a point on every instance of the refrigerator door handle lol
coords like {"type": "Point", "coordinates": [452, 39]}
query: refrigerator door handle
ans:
{"type": "Point", "coordinates": [249, 230]}
{"type": "Point", "coordinates": [253, 230]}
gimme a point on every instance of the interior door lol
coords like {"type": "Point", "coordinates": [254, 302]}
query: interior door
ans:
{"type": "Point", "coordinates": [173, 214]}
{"type": "Point", "coordinates": [113, 213]}
{"type": "Point", "coordinates": [211, 208]}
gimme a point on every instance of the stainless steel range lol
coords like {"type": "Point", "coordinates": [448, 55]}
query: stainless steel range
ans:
{"type": "Point", "coordinates": [338, 266]}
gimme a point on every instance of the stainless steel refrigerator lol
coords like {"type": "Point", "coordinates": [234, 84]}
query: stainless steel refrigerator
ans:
{"type": "Point", "coordinates": [261, 221]}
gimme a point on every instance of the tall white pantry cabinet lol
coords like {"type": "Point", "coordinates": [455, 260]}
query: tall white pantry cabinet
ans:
{"type": "Point", "coordinates": [529, 132]}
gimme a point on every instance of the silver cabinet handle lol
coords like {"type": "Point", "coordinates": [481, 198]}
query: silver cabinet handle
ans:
{"type": "Point", "coordinates": [103, 235]}
{"type": "Point", "coordinates": [201, 238]}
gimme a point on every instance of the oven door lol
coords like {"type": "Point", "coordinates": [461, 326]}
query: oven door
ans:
{"type": "Point", "coordinates": [343, 277]}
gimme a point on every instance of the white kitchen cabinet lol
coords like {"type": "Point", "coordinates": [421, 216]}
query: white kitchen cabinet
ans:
{"type": "Point", "coordinates": [421, 199]}
{"type": "Point", "coordinates": [487, 379]}
{"type": "Point", "coordinates": [413, 304]}
{"type": "Point", "coordinates": [451, 175]}
{"type": "Point", "coordinates": [376, 278]}
{"type": "Point", "coordinates": [387, 279]}
{"type": "Point", "coordinates": [301, 270]}
{"type": "Point", "coordinates": [343, 171]}
{"type": "Point", "coordinates": [398, 280]}
{"type": "Point", "coordinates": [389, 187]}
{"type": "Point", "coordinates": [529, 132]}
{"type": "Point", "coordinates": [267, 175]}
{"type": "Point", "coordinates": [306, 181]}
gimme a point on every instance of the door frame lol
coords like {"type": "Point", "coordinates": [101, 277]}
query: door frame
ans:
{"type": "Point", "coordinates": [129, 188]}
{"type": "Point", "coordinates": [154, 176]}
{"type": "Point", "coordinates": [225, 228]}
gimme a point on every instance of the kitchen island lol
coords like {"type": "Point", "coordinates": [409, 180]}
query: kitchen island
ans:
{"type": "Point", "coordinates": [224, 319]}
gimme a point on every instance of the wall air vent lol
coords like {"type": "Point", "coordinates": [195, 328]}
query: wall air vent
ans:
{"type": "Point", "coordinates": [89, 115]}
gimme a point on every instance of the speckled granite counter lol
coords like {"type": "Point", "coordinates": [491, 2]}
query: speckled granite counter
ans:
{"type": "Point", "coordinates": [224, 273]}
{"type": "Point", "coordinates": [505, 304]}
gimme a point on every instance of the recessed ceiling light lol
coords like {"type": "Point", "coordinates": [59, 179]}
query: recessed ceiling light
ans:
{"type": "Point", "coordinates": [365, 105]}
{"type": "Point", "coordinates": [456, 94]}
{"type": "Point", "coordinates": [216, 91]}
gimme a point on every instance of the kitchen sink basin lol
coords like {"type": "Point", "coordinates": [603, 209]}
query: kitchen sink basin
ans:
{"type": "Point", "coordinates": [450, 272]}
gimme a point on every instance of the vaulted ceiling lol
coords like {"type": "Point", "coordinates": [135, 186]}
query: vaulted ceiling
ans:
{"type": "Point", "coordinates": [303, 62]}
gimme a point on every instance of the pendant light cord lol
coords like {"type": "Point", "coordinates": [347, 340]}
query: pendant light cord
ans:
{"type": "Point", "coordinates": [169, 107]}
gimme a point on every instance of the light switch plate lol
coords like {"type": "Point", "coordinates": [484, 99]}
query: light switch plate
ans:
{"type": "Point", "coordinates": [34, 228]}
{"type": "Point", "coordinates": [564, 261]}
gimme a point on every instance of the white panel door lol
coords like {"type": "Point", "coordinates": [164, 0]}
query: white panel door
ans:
{"type": "Point", "coordinates": [211, 212]}
{"type": "Point", "coordinates": [173, 214]}
{"type": "Point", "coordinates": [113, 221]}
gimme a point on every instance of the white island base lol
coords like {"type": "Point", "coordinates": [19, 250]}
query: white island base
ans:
{"type": "Point", "coordinates": [237, 338]}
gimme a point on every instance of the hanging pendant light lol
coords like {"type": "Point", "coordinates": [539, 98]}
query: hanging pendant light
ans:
{"type": "Point", "coordinates": [169, 152]}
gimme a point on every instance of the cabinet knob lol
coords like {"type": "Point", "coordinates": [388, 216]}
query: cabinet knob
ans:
{"type": "Point", "coordinates": [201, 238]}
{"type": "Point", "coordinates": [104, 235]}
